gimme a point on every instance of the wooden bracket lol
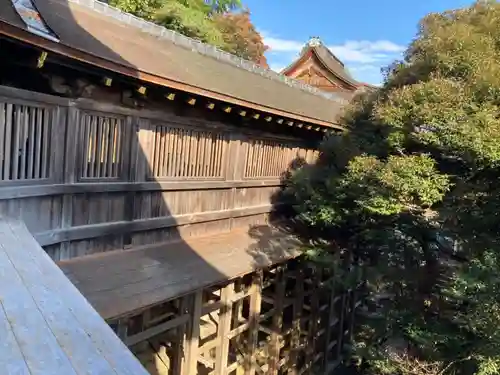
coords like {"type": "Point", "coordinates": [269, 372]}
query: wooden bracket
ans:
{"type": "Point", "coordinates": [41, 59]}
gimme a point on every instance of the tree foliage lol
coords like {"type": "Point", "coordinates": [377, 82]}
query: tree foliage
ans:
{"type": "Point", "coordinates": [191, 18]}
{"type": "Point", "coordinates": [241, 37]}
{"type": "Point", "coordinates": [222, 23]}
{"type": "Point", "coordinates": [410, 190]}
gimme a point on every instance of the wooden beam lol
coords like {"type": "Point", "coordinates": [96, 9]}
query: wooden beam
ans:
{"type": "Point", "coordinates": [179, 358]}
{"type": "Point", "coordinates": [329, 325]}
{"type": "Point", "coordinates": [253, 332]}
{"type": "Point", "coordinates": [222, 350]}
{"type": "Point", "coordinates": [14, 191]}
{"type": "Point", "coordinates": [277, 327]}
{"type": "Point", "coordinates": [153, 331]}
{"type": "Point", "coordinates": [73, 53]}
{"type": "Point", "coordinates": [296, 322]}
{"type": "Point", "coordinates": [313, 323]}
{"type": "Point", "coordinates": [194, 335]}
{"type": "Point", "coordinates": [113, 228]}
{"type": "Point", "coordinates": [340, 333]}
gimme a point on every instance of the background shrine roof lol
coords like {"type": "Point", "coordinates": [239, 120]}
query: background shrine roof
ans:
{"type": "Point", "coordinates": [96, 33]}
{"type": "Point", "coordinates": [331, 62]}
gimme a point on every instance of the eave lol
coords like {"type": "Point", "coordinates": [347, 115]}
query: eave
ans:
{"type": "Point", "coordinates": [50, 46]}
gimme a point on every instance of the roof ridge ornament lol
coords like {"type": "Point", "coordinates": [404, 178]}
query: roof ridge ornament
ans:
{"type": "Point", "coordinates": [314, 41]}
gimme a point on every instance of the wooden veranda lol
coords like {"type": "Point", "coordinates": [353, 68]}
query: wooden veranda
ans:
{"type": "Point", "coordinates": [190, 273]}
{"type": "Point", "coordinates": [156, 189]}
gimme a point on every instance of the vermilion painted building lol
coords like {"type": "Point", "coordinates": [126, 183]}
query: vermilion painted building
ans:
{"type": "Point", "coordinates": [318, 66]}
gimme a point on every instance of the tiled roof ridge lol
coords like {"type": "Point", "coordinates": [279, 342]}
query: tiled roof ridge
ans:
{"type": "Point", "coordinates": [202, 48]}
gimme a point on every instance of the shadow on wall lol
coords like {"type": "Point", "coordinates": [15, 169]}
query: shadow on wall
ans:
{"type": "Point", "coordinates": [270, 246]}
{"type": "Point", "coordinates": [146, 214]}
{"type": "Point", "coordinates": [84, 150]}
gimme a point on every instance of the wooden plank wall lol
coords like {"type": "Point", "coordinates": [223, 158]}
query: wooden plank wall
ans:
{"type": "Point", "coordinates": [89, 177]}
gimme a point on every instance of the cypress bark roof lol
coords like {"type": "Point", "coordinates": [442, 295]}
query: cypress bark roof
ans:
{"type": "Point", "coordinates": [95, 33]}
{"type": "Point", "coordinates": [331, 62]}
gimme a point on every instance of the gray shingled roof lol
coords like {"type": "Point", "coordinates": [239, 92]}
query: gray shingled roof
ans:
{"type": "Point", "coordinates": [102, 31]}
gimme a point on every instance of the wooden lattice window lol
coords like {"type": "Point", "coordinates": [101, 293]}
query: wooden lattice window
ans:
{"type": "Point", "coordinates": [102, 145]}
{"type": "Point", "coordinates": [25, 142]}
{"type": "Point", "coordinates": [187, 153]}
{"type": "Point", "coordinates": [267, 158]}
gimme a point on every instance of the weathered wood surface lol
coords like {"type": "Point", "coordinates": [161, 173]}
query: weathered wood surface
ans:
{"type": "Point", "coordinates": [89, 177]}
{"type": "Point", "coordinates": [288, 325]}
{"type": "Point", "coordinates": [117, 283]}
{"type": "Point", "coordinates": [46, 326]}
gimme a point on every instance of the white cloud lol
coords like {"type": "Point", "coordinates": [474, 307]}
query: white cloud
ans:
{"type": "Point", "coordinates": [283, 45]}
{"type": "Point", "coordinates": [277, 67]}
{"type": "Point", "coordinates": [363, 57]}
{"type": "Point", "coordinates": [378, 46]}
{"type": "Point", "coordinates": [364, 68]}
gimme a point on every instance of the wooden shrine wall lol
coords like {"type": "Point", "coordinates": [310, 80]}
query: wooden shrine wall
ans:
{"type": "Point", "coordinates": [89, 177]}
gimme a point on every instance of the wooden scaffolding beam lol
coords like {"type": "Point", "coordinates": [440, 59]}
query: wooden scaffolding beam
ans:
{"type": "Point", "coordinates": [282, 320]}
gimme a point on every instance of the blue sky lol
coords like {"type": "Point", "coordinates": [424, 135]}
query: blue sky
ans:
{"type": "Point", "coordinates": [365, 34]}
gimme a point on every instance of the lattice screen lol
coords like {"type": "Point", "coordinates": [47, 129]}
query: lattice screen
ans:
{"type": "Point", "coordinates": [187, 153]}
{"type": "Point", "coordinates": [25, 142]}
{"type": "Point", "coordinates": [102, 138]}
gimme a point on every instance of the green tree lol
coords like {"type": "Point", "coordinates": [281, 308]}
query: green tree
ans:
{"type": "Point", "coordinates": [141, 8]}
{"type": "Point", "coordinates": [222, 23]}
{"type": "Point", "coordinates": [192, 18]}
{"type": "Point", "coordinates": [148, 8]}
{"type": "Point", "coordinates": [410, 190]}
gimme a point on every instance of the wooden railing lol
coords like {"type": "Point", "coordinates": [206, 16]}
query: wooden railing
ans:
{"type": "Point", "coordinates": [46, 326]}
{"type": "Point", "coordinates": [90, 177]}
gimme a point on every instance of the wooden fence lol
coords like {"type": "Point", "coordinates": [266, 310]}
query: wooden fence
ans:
{"type": "Point", "coordinates": [90, 177]}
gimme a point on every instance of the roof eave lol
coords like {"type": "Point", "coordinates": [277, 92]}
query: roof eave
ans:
{"type": "Point", "coordinates": [25, 36]}
{"type": "Point", "coordinates": [293, 64]}
{"type": "Point", "coordinates": [353, 84]}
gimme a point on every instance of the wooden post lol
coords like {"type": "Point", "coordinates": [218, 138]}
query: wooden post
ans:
{"type": "Point", "coordinates": [276, 336]}
{"type": "Point", "coordinates": [253, 332]}
{"type": "Point", "coordinates": [179, 360]}
{"type": "Point", "coordinates": [225, 312]}
{"type": "Point", "coordinates": [313, 325]}
{"type": "Point", "coordinates": [237, 313]}
{"type": "Point", "coordinates": [234, 167]}
{"type": "Point", "coordinates": [340, 337]}
{"type": "Point", "coordinates": [122, 328]}
{"type": "Point", "coordinates": [131, 141]}
{"type": "Point", "coordinates": [297, 326]}
{"type": "Point", "coordinates": [330, 324]}
{"type": "Point", "coordinates": [71, 170]}
{"type": "Point", "coordinates": [194, 335]}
